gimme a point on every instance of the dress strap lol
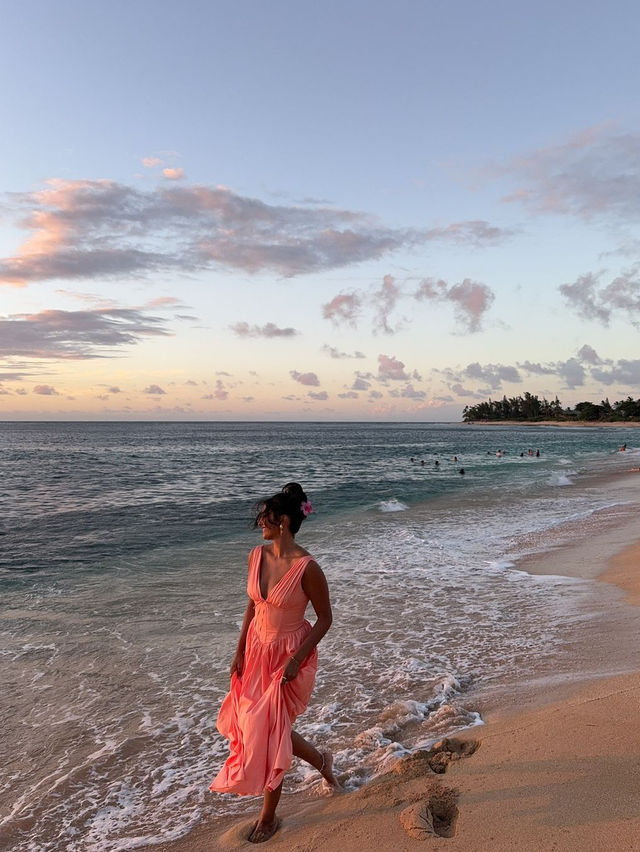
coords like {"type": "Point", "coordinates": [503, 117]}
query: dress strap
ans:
{"type": "Point", "coordinates": [253, 580]}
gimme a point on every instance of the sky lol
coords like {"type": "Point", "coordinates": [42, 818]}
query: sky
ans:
{"type": "Point", "coordinates": [329, 211]}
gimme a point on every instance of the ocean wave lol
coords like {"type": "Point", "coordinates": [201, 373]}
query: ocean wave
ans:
{"type": "Point", "coordinates": [558, 480]}
{"type": "Point", "coordinates": [392, 505]}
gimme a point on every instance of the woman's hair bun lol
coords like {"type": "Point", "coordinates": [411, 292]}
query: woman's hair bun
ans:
{"type": "Point", "coordinates": [294, 491]}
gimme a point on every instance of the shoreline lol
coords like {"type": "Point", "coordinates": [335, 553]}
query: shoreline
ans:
{"type": "Point", "coordinates": [557, 770]}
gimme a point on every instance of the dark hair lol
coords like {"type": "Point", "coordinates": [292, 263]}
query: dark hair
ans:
{"type": "Point", "coordinates": [286, 502]}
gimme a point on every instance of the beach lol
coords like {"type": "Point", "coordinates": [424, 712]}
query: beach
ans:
{"type": "Point", "coordinates": [460, 604]}
{"type": "Point", "coordinates": [562, 772]}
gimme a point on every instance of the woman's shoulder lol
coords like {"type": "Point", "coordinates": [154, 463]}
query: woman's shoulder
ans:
{"type": "Point", "coordinates": [254, 554]}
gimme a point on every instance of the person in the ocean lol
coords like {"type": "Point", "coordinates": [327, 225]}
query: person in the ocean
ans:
{"type": "Point", "coordinates": [274, 666]}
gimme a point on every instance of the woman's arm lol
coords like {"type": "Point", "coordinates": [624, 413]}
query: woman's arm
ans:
{"type": "Point", "coordinates": [314, 584]}
{"type": "Point", "coordinates": [237, 664]}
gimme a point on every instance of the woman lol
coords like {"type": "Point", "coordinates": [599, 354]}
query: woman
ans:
{"type": "Point", "coordinates": [274, 667]}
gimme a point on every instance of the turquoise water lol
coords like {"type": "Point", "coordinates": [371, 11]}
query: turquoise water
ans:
{"type": "Point", "coordinates": [123, 567]}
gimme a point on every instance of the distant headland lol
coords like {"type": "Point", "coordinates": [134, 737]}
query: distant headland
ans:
{"type": "Point", "coordinates": [529, 408]}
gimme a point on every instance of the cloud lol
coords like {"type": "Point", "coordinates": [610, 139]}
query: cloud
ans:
{"type": "Point", "coordinates": [304, 378]}
{"type": "Point", "coordinates": [492, 374]}
{"type": "Point", "coordinates": [154, 390]}
{"type": "Point", "coordinates": [458, 389]}
{"type": "Point", "coordinates": [624, 372]}
{"type": "Point", "coordinates": [349, 395]}
{"type": "Point", "coordinates": [474, 233]}
{"type": "Point", "coordinates": [220, 392]}
{"type": "Point", "coordinates": [336, 353]}
{"type": "Point", "coordinates": [151, 162]}
{"type": "Point", "coordinates": [594, 174]}
{"type": "Point", "coordinates": [584, 298]}
{"type": "Point", "coordinates": [374, 394]}
{"type": "Point", "coordinates": [243, 329]}
{"type": "Point", "coordinates": [536, 369]}
{"type": "Point", "coordinates": [471, 299]}
{"type": "Point", "coordinates": [191, 383]}
{"type": "Point", "coordinates": [174, 173]}
{"type": "Point", "coordinates": [321, 395]}
{"type": "Point", "coordinates": [76, 334]}
{"type": "Point", "coordinates": [102, 228]}
{"type": "Point", "coordinates": [591, 301]}
{"type": "Point", "coordinates": [45, 390]}
{"type": "Point", "coordinates": [114, 389]}
{"type": "Point", "coordinates": [390, 368]}
{"type": "Point", "coordinates": [360, 384]}
{"type": "Point", "coordinates": [385, 300]}
{"type": "Point", "coordinates": [587, 354]}
{"type": "Point", "coordinates": [408, 392]}
{"type": "Point", "coordinates": [345, 307]}
{"type": "Point", "coordinates": [12, 377]}
{"type": "Point", "coordinates": [572, 372]}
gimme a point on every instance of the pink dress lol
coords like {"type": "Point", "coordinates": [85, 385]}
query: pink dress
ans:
{"type": "Point", "coordinates": [257, 714]}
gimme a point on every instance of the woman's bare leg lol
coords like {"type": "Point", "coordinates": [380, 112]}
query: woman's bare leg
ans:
{"type": "Point", "coordinates": [268, 823]}
{"type": "Point", "coordinates": [322, 761]}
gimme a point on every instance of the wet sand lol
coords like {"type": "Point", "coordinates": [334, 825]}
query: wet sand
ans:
{"type": "Point", "coordinates": [561, 774]}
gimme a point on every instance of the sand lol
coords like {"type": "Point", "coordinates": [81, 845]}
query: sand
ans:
{"type": "Point", "coordinates": [589, 424]}
{"type": "Point", "coordinates": [561, 774]}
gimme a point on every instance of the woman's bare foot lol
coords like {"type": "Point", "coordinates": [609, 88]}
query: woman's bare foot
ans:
{"type": "Point", "coordinates": [327, 770]}
{"type": "Point", "coordinates": [263, 831]}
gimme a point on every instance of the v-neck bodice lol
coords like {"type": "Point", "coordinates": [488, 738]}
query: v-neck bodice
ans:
{"type": "Point", "coordinates": [282, 611]}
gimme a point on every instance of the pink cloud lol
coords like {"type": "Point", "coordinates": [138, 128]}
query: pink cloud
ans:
{"type": "Point", "coordinates": [154, 390]}
{"type": "Point", "coordinates": [471, 299]}
{"type": "Point", "coordinates": [174, 173]}
{"type": "Point", "coordinates": [345, 307]}
{"type": "Point", "coordinates": [390, 367]}
{"type": "Point", "coordinates": [305, 378]}
{"type": "Point", "coordinates": [151, 162]}
{"type": "Point", "coordinates": [45, 390]}
{"type": "Point", "coordinates": [321, 395]}
{"type": "Point", "coordinates": [593, 174]}
{"type": "Point", "coordinates": [101, 228]}
{"type": "Point", "coordinates": [220, 391]}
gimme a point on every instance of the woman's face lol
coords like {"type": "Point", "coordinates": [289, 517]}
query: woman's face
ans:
{"type": "Point", "coordinates": [270, 527]}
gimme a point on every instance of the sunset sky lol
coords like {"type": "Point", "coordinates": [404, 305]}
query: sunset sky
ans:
{"type": "Point", "coordinates": [321, 211]}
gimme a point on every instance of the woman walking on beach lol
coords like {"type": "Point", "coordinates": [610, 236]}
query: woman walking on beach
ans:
{"type": "Point", "coordinates": [274, 667]}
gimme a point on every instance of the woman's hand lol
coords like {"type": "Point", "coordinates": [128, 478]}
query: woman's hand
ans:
{"type": "Point", "coordinates": [290, 670]}
{"type": "Point", "coordinates": [237, 664]}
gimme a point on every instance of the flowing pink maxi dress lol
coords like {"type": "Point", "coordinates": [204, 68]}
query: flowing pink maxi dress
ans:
{"type": "Point", "coordinates": [257, 714]}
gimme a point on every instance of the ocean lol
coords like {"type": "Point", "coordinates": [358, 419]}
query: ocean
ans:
{"type": "Point", "coordinates": [123, 551]}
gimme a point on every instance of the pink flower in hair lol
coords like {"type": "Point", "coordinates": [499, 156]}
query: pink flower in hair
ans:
{"type": "Point", "coordinates": [306, 508]}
